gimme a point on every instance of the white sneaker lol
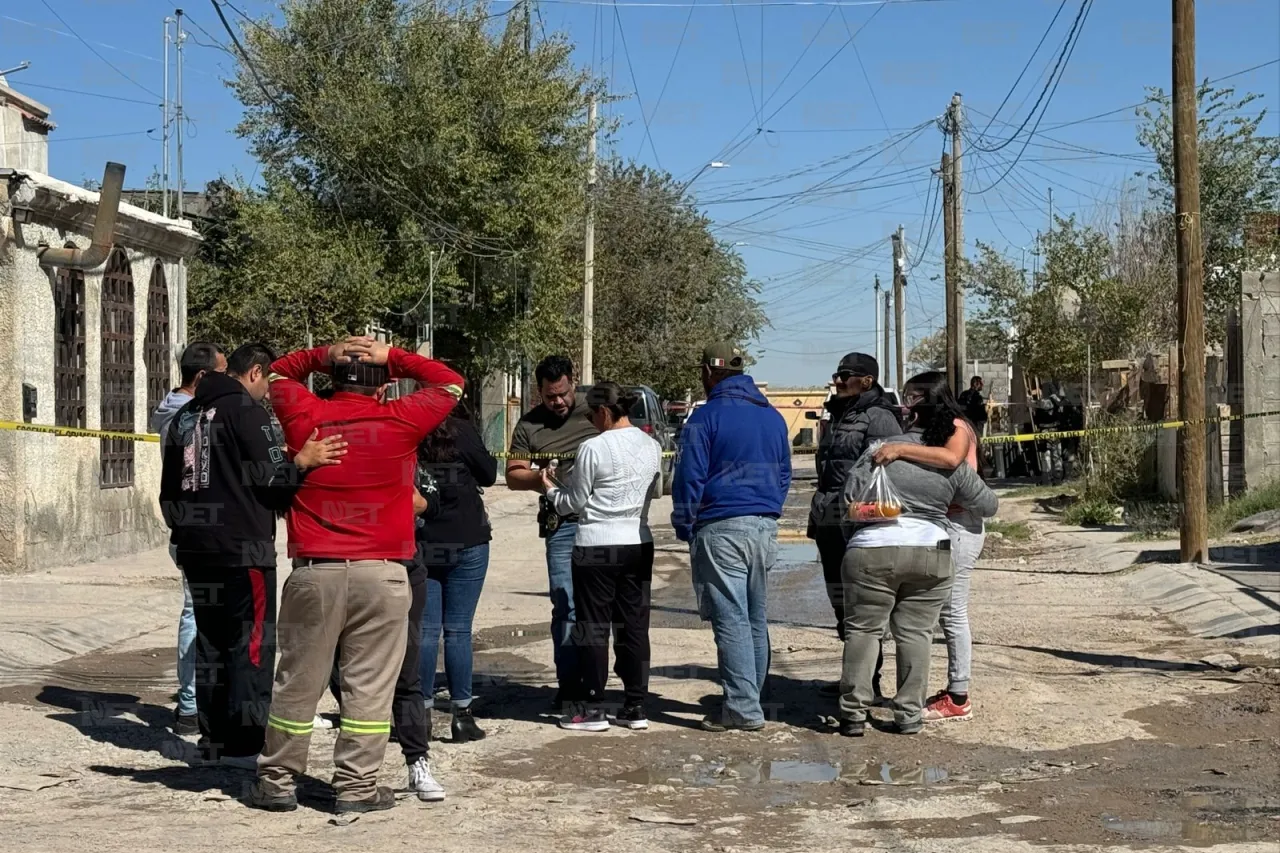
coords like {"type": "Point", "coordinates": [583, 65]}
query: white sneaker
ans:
{"type": "Point", "coordinates": [422, 783]}
{"type": "Point", "coordinates": [321, 723]}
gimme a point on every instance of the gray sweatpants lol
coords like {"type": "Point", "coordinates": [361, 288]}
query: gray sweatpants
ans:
{"type": "Point", "coordinates": [965, 549]}
{"type": "Point", "coordinates": [905, 588]}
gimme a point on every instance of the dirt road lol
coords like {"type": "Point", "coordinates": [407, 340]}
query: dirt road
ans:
{"type": "Point", "coordinates": [1100, 726]}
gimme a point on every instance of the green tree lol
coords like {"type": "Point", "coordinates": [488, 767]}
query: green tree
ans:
{"type": "Point", "coordinates": [1239, 176]}
{"type": "Point", "coordinates": [429, 131]}
{"type": "Point", "coordinates": [665, 286]}
{"type": "Point", "coordinates": [985, 341]}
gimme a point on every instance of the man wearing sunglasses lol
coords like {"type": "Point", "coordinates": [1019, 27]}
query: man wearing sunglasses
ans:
{"type": "Point", "coordinates": [861, 413]}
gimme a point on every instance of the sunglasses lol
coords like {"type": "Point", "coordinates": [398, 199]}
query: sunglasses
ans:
{"type": "Point", "coordinates": [843, 376]}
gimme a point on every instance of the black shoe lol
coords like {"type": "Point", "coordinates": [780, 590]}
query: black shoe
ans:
{"type": "Point", "coordinates": [712, 724]}
{"type": "Point", "coordinates": [830, 690]}
{"type": "Point", "coordinates": [464, 727]}
{"type": "Point", "coordinates": [896, 728]}
{"type": "Point", "coordinates": [849, 728]}
{"type": "Point", "coordinates": [257, 799]}
{"type": "Point", "coordinates": [185, 724]}
{"type": "Point", "coordinates": [631, 717]}
{"type": "Point", "coordinates": [559, 704]}
{"type": "Point", "coordinates": [379, 802]}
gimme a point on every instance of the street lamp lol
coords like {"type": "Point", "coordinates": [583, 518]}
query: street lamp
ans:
{"type": "Point", "coordinates": [714, 164]}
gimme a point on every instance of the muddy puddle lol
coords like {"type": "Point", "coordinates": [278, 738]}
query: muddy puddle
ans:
{"type": "Point", "coordinates": [760, 771]}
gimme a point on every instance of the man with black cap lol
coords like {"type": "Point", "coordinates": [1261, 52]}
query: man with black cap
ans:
{"type": "Point", "coordinates": [731, 479]}
{"type": "Point", "coordinates": [351, 533]}
{"type": "Point", "coordinates": [860, 415]}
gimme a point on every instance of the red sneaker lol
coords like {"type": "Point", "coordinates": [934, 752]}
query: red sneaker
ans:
{"type": "Point", "coordinates": [941, 709]}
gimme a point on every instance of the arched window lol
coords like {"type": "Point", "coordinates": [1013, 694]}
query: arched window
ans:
{"type": "Point", "coordinates": [117, 370]}
{"type": "Point", "coordinates": [156, 347]}
{"type": "Point", "coordinates": [68, 349]}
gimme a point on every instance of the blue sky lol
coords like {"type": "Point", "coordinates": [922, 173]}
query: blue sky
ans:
{"type": "Point", "coordinates": [701, 72]}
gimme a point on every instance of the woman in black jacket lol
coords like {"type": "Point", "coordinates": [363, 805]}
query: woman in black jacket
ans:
{"type": "Point", "coordinates": [453, 543]}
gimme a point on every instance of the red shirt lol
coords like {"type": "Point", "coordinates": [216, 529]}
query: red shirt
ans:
{"type": "Point", "coordinates": [361, 509]}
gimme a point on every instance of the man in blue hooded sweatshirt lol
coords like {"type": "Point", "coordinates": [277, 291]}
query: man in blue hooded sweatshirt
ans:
{"type": "Point", "coordinates": [731, 478]}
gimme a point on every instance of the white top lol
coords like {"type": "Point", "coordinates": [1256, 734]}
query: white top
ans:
{"type": "Point", "coordinates": [914, 532]}
{"type": "Point", "coordinates": [610, 487]}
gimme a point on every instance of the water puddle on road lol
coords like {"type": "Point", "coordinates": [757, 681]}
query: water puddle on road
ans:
{"type": "Point", "coordinates": [759, 772]}
{"type": "Point", "coordinates": [1186, 830]}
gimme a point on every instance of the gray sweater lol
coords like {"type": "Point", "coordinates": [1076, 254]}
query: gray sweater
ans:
{"type": "Point", "coordinates": [925, 492]}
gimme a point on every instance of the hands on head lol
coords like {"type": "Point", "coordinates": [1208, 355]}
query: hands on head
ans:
{"type": "Point", "coordinates": [360, 348]}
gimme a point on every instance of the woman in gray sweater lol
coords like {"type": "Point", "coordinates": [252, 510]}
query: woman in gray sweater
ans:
{"type": "Point", "coordinates": [898, 572]}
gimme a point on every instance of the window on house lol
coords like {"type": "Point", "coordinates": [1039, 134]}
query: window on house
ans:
{"type": "Point", "coordinates": [157, 340]}
{"type": "Point", "coordinates": [117, 371]}
{"type": "Point", "coordinates": [68, 352]}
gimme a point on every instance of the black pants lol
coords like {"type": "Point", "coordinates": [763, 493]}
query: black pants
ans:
{"type": "Point", "coordinates": [831, 547]}
{"type": "Point", "coordinates": [235, 610]}
{"type": "Point", "coordinates": [611, 590]}
{"type": "Point", "coordinates": [410, 719]}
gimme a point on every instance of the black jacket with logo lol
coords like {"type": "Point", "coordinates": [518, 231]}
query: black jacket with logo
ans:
{"type": "Point", "coordinates": [224, 478]}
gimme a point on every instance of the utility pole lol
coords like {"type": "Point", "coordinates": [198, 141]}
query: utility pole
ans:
{"type": "Point", "coordinates": [179, 118]}
{"type": "Point", "coordinates": [431, 304]}
{"type": "Point", "coordinates": [177, 114]}
{"type": "Point", "coordinates": [1050, 210]}
{"type": "Point", "coordinates": [957, 199]}
{"type": "Point", "coordinates": [589, 252]}
{"type": "Point", "coordinates": [526, 368]}
{"type": "Point", "coordinates": [900, 305]}
{"type": "Point", "coordinates": [884, 367]}
{"type": "Point", "coordinates": [949, 264]}
{"type": "Point", "coordinates": [1186, 204]}
{"type": "Point", "coordinates": [164, 126]}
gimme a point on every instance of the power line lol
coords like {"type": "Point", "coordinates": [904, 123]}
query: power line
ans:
{"type": "Point", "coordinates": [94, 50]}
{"type": "Point", "coordinates": [648, 131]}
{"type": "Point", "coordinates": [28, 85]}
{"type": "Point", "coordinates": [671, 69]}
{"type": "Point", "coordinates": [1051, 85]}
{"type": "Point", "coordinates": [1030, 59]}
{"type": "Point", "coordinates": [94, 136]}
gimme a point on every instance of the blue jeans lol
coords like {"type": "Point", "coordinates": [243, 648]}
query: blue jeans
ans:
{"type": "Point", "coordinates": [560, 583]}
{"type": "Point", "coordinates": [731, 561]}
{"type": "Point", "coordinates": [186, 649]}
{"type": "Point", "coordinates": [453, 591]}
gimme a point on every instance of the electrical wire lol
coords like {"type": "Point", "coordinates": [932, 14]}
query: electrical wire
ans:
{"type": "Point", "coordinates": [1030, 59]}
{"type": "Point", "coordinates": [95, 51]}
{"type": "Point", "coordinates": [648, 131]}
{"type": "Point", "coordinates": [670, 69]}
{"type": "Point", "coordinates": [29, 85]}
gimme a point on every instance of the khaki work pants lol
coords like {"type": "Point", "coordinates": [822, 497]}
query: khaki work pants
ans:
{"type": "Point", "coordinates": [361, 608]}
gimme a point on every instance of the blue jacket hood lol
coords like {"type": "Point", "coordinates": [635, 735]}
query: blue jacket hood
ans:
{"type": "Point", "coordinates": [741, 387]}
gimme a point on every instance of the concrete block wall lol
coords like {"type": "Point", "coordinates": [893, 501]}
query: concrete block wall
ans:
{"type": "Point", "coordinates": [1260, 375]}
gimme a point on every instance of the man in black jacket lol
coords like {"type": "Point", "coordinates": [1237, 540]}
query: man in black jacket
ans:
{"type": "Point", "coordinates": [860, 415]}
{"type": "Point", "coordinates": [223, 480]}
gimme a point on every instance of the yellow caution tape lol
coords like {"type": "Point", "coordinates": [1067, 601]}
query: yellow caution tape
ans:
{"type": "Point", "coordinates": [76, 432]}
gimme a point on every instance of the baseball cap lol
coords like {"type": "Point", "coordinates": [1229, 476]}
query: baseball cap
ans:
{"type": "Point", "coordinates": [859, 364]}
{"type": "Point", "coordinates": [724, 356]}
{"type": "Point", "coordinates": [361, 374]}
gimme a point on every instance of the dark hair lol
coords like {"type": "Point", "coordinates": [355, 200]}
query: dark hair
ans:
{"type": "Point", "coordinates": [199, 357]}
{"type": "Point", "coordinates": [937, 411]}
{"type": "Point", "coordinates": [240, 362]}
{"type": "Point", "coordinates": [441, 444]}
{"type": "Point", "coordinates": [974, 379]}
{"type": "Point", "coordinates": [552, 368]}
{"type": "Point", "coordinates": [613, 398]}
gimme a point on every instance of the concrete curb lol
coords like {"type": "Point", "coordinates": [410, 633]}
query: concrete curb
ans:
{"type": "Point", "coordinates": [1207, 604]}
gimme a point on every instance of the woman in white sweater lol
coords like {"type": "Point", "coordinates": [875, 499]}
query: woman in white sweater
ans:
{"type": "Point", "coordinates": [609, 490]}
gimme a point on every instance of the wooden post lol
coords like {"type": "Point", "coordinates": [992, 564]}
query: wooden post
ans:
{"type": "Point", "coordinates": [950, 273]}
{"type": "Point", "coordinates": [1186, 180]}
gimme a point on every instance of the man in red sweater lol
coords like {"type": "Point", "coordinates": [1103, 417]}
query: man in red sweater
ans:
{"type": "Point", "coordinates": [350, 536]}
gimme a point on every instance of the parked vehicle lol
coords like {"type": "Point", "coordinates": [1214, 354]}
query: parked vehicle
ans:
{"type": "Point", "coordinates": [650, 415]}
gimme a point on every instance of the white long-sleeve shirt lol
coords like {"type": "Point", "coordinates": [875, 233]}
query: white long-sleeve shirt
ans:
{"type": "Point", "coordinates": [610, 488]}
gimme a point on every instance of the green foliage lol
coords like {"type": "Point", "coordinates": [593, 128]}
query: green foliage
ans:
{"type": "Point", "coordinates": [1090, 512]}
{"type": "Point", "coordinates": [985, 338]}
{"type": "Point", "coordinates": [1012, 531]}
{"type": "Point", "coordinates": [664, 286]}
{"type": "Point", "coordinates": [1252, 502]}
{"type": "Point", "coordinates": [1239, 175]}
{"type": "Point", "coordinates": [1120, 460]}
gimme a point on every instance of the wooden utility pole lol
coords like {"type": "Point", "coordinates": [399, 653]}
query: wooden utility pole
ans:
{"type": "Point", "coordinates": [1186, 205]}
{"type": "Point", "coordinates": [949, 267]}
{"type": "Point", "coordinates": [885, 361]}
{"type": "Point", "coordinates": [589, 252]}
{"type": "Point", "coordinates": [884, 367]}
{"type": "Point", "coordinates": [957, 240]}
{"type": "Point", "coordinates": [900, 306]}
